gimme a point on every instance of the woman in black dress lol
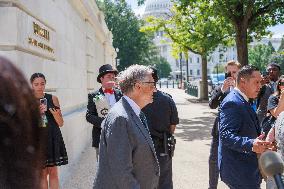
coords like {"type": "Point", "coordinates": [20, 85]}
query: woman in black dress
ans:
{"type": "Point", "coordinates": [51, 135]}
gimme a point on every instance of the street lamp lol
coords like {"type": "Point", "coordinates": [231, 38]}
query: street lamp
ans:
{"type": "Point", "coordinates": [116, 59]}
{"type": "Point", "coordinates": [180, 60]}
{"type": "Point", "coordinates": [117, 62]}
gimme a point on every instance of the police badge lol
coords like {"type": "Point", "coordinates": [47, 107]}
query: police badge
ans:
{"type": "Point", "coordinates": [101, 105]}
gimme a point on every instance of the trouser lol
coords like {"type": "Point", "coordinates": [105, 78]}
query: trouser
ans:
{"type": "Point", "coordinates": [213, 157]}
{"type": "Point", "coordinates": [165, 180]}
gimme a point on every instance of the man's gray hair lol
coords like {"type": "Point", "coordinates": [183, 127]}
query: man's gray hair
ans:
{"type": "Point", "coordinates": [130, 76]}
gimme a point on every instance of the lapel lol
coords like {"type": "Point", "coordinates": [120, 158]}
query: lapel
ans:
{"type": "Point", "coordinates": [140, 125]}
{"type": "Point", "coordinates": [250, 112]}
{"type": "Point", "coordinates": [117, 95]}
{"type": "Point", "coordinates": [101, 91]}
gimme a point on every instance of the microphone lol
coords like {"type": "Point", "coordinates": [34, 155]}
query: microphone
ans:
{"type": "Point", "coordinates": [272, 165]}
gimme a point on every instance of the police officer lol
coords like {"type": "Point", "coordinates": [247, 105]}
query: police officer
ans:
{"type": "Point", "coordinates": [162, 118]}
{"type": "Point", "coordinates": [100, 101]}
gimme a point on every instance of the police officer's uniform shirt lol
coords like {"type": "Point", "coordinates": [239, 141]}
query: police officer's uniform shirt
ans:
{"type": "Point", "coordinates": [161, 113]}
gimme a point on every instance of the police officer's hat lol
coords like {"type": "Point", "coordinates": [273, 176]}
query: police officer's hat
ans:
{"type": "Point", "coordinates": [104, 69]}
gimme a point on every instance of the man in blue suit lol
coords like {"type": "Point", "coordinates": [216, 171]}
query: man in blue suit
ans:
{"type": "Point", "coordinates": [240, 135]}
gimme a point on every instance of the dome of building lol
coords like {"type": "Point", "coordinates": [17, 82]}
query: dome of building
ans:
{"type": "Point", "coordinates": [157, 7]}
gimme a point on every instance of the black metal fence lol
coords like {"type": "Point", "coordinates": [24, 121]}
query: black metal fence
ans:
{"type": "Point", "coordinates": [168, 84]}
{"type": "Point", "coordinates": [191, 89]}
{"type": "Point", "coordinates": [188, 87]}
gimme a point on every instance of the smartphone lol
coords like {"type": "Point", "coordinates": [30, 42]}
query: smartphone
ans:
{"type": "Point", "coordinates": [44, 102]}
{"type": "Point", "coordinates": [228, 75]}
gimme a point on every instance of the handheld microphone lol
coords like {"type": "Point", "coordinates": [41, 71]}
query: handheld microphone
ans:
{"type": "Point", "coordinates": [272, 165]}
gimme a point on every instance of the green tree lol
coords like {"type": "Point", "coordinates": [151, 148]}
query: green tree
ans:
{"type": "Point", "coordinates": [259, 55]}
{"type": "Point", "coordinates": [271, 46]}
{"type": "Point", "coordinates": [135, 47]}
{"type": "Point", "coordinates": [279, 59]}
{"type": "Point", "coordinates": [249, 19]}
{"type": "Point", "coordinates": [163, 67]}
{"type": "Point", "coordinates": [193, 29]}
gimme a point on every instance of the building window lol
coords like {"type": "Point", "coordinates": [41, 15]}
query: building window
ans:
{"type": "Point", "coordinates": [190, 72]}
{"type": "Point", "coordinates": [197, 59]}
{"type": "Point", "coordinates": [190, 60]}
{"type": "Point", "coordinates": [198, 72]}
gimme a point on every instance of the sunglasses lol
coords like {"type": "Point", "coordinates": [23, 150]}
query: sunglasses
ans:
{"type": "Point", "coordinates": [281, 83]}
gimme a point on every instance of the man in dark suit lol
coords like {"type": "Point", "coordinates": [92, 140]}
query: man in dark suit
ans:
{"type": "Point", "coordinates": [100, 101]}
{"type": "Point", "coordinates": [162, 118]}
{"type": "Point", "coordinates": [232, 67]}
{"type": "Point", "coordinates": [127, 157]}
{"type": "Point", "coordinates": [240, 135]}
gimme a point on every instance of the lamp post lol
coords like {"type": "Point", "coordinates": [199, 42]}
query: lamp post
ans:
{"type": "Point", "coordinates": [116, 59]}
{"type": "Point", "coordinates": [180, 60]}
{"type": "Point", "coordinates": [187, 80]}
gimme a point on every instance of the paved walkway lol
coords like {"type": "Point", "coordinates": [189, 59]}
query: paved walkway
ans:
{"type": "Point", "coordinates": [190, 163]}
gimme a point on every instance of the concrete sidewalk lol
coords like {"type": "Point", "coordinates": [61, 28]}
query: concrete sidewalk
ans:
{"type": "Point", "coordinates": [190, 163]}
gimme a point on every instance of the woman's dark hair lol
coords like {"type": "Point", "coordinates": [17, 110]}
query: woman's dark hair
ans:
{"type": "Point", "coordinates": [37, 75]}
{"type": "Point", "coordinates": [20, 157]}
{"type": "Point", "coordinates": [278, 91]}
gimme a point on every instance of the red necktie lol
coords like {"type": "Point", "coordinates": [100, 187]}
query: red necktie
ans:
{"type": "Point", "coordinates": [109, 91]}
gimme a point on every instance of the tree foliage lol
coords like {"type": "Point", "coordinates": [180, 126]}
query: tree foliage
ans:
{"type": "Point", "coordinates": [279, 59]}
{"type": "Point", "coordinates": [135, 47]}
{"type": "Point", "coordinates": [249, 19]}
{"type": "Point", "coordinates": [163, 67]}
{"type": "Point", "coordinates": [260, 55]}
{"type": "Point", "coordinates": [193, 28]}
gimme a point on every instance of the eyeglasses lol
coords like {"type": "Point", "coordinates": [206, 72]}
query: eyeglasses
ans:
{"type": "Point", "coordinates": [153, 83]}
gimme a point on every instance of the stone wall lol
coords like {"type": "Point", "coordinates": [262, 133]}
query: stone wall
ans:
{"type": "Point", "coordinates": [68, 41]}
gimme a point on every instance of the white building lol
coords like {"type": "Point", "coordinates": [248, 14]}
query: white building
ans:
{"type": "Point", "coordinates": [161, 8]}
{"type": "Point", "coordinates": [68, 41]}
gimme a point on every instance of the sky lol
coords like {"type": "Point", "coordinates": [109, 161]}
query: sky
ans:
{"type": "Point", "coordinates": [278, 30]}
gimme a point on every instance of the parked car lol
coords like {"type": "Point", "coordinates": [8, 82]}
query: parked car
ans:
{"type": "Point", "coordinates": [217, 79]}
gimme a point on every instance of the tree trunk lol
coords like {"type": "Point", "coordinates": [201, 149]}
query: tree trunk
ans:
{"type": "Point", "coordinates": [204, 82]}
{"type": "Point", "coordinates": [241, 42]}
